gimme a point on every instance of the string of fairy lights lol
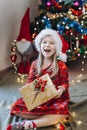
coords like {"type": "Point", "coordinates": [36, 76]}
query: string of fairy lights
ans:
{"type": "Point", "coordinates": [13, 58]}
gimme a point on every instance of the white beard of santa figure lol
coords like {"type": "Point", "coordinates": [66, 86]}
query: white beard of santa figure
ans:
{"type": "Point", "coordinates": [24, 45]}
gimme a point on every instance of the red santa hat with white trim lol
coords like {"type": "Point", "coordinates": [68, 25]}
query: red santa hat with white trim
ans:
{"type": "Point", "coordinates": [25, 27]}
{"type": "Point", "coordinates": [61, 45]}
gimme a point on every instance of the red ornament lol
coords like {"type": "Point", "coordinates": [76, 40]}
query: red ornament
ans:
{"type": "Point", "coordinates": [56, 4]}
{"type": "Point", "coordinates": [67, 32]}
{"type": "Point", "coordinates": [13, 58]}
{"type": "Point", "coordinates": [12, 49]}
{"type": "Point", "coordinates": [61, 127]}
{"type": "Point", "coordinates": [76, 12]}
{"type": "Point", "coordinates": [85, 39]}
{"type": "Point", "coordinates": [59, 7]}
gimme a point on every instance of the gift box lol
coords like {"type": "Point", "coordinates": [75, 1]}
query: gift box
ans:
{"type": "Point", "coordinates": [38, 92]}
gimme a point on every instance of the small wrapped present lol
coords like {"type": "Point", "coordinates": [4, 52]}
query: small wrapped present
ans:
{"type": "Point", "coordinates": [38, 92]}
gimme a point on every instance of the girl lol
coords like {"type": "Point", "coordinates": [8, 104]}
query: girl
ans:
{"type": "Point", "coordinates": [50, 46]}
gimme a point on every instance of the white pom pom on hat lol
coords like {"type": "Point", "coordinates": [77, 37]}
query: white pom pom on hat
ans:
{"type": "Point", "coordinates": [61, 44]}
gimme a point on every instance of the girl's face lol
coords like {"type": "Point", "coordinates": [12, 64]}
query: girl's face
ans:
{"type": "Point", "coordinates": [48, 47]}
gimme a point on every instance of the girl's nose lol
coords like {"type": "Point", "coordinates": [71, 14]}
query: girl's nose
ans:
{"type": "Point", "coordinates": [47, 44]}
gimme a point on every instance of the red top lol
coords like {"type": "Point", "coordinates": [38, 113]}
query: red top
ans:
{"type": "Point", "coordinates": [55, 105]}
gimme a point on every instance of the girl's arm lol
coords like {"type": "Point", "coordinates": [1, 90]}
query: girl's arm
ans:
{"type": "Point", "coordinates": [63, 76]}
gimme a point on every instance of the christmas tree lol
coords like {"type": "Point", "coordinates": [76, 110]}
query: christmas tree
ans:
{"type": "Point", "coordinates": [68, 18]}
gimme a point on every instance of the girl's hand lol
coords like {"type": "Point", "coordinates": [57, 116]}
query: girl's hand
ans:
{"type": "Point", "coordinates": [61, 90]}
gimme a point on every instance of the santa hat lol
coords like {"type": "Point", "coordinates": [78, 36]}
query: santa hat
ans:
{"type": "Point", "coordinates": [25, 27]}
{"type": "Point", "coordinates": [61, 44]}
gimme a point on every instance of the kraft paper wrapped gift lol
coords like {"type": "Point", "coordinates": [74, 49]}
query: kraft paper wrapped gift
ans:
{"type": "Point", "coordinates": [38, 92]}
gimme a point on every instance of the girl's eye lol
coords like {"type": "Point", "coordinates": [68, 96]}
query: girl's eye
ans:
{"type": "Point", "coordinates": [43, 42]}
{"type": "Point", "coordinates": [51, 42]}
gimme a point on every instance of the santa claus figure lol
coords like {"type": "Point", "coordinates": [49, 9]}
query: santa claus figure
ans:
{"type": "Point", "coordinates": [24, 45]}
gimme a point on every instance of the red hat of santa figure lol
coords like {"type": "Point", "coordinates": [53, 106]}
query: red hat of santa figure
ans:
{"type": "Point", "coordinates": [25, 27]}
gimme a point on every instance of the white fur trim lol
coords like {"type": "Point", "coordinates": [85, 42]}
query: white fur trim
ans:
{"type": "Point", "coordinates": [56, 37]}
{"type": "Point", "coordinates": [63, 57]}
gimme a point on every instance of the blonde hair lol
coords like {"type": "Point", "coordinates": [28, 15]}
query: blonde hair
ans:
{"type": "Point", "coordinates": [54, 67]}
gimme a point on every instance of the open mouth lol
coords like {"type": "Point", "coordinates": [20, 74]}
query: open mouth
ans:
{"type": "Point", "coordinates": [47, 50]}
